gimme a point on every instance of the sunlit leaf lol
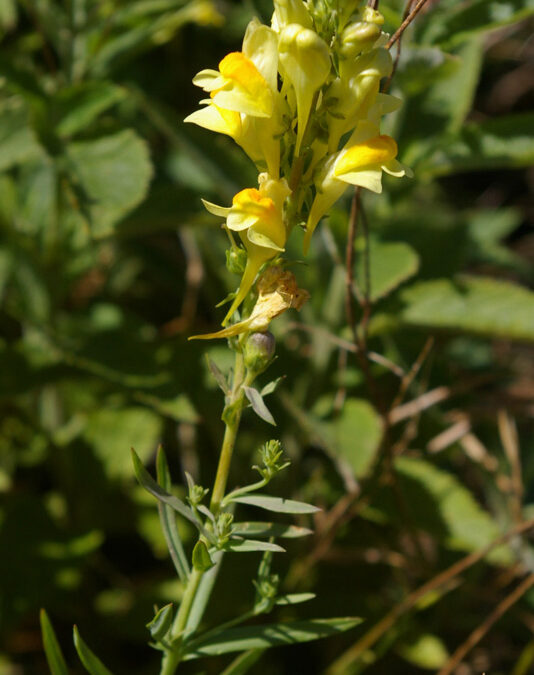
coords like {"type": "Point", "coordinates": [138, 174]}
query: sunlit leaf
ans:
{"type": "Point", "coordinates": [277, 504]}
{"type": "Point", "coordinates": [54, 655]}
{"type": "Point", "coordinates": [92, 663]}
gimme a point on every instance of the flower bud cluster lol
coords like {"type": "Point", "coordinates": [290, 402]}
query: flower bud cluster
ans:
{"type": "Point", "coordinates": [302, 98]}
{"type": "Point", "coordinates": [272, 457]}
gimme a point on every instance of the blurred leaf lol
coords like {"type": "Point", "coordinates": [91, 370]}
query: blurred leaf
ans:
{"type": "Point", "coordinates": [357, 433]}
{"type": "Point", "coordinates": [8, 14]}
{"type": "Point", "coordinates": [454, 22]}
{"type": "Point", "coordinates": [501, 143]}
{"type": "Point", "coordinates": [249, 545]}
{"type": "Point", "coordinates": [273, 635]}
{"type": "Point", "coordinates": [436, 501]}
{"type": "Point", "coordinates": [79, 105]}
{"type": "Point", "coordinates": [258, 405]}
{"type": "Point", "coordinates": [243, 663]}
{"type": "Point", "coordinates": [114, 173]}
{"type": "Point", "coordinates": [54, 655]}
{"type": "Point", "coordinates": [92, 663]}
{"type": "Point", "coordinates": [18, 142]}
{"type": "Point", "coordinates": [421, 67]}
{"type": "Point", "coordinates": [277, 504]}
{"type": "Point", "coordinates": [472, 304]}
{"type": "Point", "coordinates": [161, 622]}
{"type": "Point", "coordinates": [201, 557]}
{"type": "Point", "coordinates": [112, 433]}
{"type": "Point", "coordinates": [426, 651]}
{"type": "Point", "coordinates": [259, 529]}
{"type": "Point", "coordinates": [390, 263]}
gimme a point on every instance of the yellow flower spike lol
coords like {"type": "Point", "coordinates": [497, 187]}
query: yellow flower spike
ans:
{"type": "Point", "coordinates": [376, 151]}
{"type": "Point", "coordinates": [245, 89]}
{"type": "Point", "coordinates": [277, 292]}
{"type": "Point", "coordinates": [290, 11]}
{"type": "Point", "coordinates": [305, 59]}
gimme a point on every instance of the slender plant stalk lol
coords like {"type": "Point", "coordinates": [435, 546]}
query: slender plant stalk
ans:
{"type": "Point", "coordinates": [171, 659]}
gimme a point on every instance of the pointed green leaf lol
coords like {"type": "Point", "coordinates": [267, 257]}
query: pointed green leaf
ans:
{"type": "Point", "coordinates": [202, 561]}
{"type": "Point", "coordinates": [260, 529]}
{"type": "Point", "coordinates": [249, 545]}
{"type": "Point", "coordinates": [218, 376]}
{"type": "Point", "coordinates": [258, 405]}
{"type": "Point", "coordinates": [54, 655]}
{"type": "Point", "coordinates": [294, 598]}
{"type": "Point", "coordinates": [92, 663]}
{"type": "Point", "coordinates": [160, 624]}
{"type": "Point", "coordinates": [276, 504]}
{"type": "Point", "coordinates": [168, 521]}
{"type": "Point", "coordinates": [272, 635]}
{"type": "Point", "coordinates": [146, 480]}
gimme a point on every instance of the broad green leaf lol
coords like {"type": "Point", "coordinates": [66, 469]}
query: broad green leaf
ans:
{"type": "Point", "coordinates": [258, 405]}
{"type": "Point", "coordinates": [294, 598]}
{"type": "Point", "coordinates": [160, 624]}
{"type": "Point", "coordinates": [18, 142]}
{"type": "Point", "coordinates": [437, 502]}
{"type": "Point", "coordinates": [357, 433]}
{"type": "Point", "coordinates": [54, 655]}
{"type": "Point", "coordinates": [112, 433]}
{"type": "Point", "coordinates": [476, 305]}
{"type": "Point", "coordinates": [201, 559]}
{"type": "Point", "coordinates": [390, 263]}
{"type": "Point", "coordinates": [276, 504]}
{"type": "Point", "coordinates": [455, 22]}
{"type": "Point", "coordinates": [243, 663]}
{"type": "Point", "coordinates": [81, 104]}
{"type": "Point", "coordinates": [113, 173]}
{"type": "Point", "coordinates": [260, 529]}
{"type": "Point", "coordinates": [168, 520]}
{"type": "Point", "coordinates": [273, 635]}
{"type": "Point", "coordinates": [92, 663]}
{"type": "Point", "coordinates": [146, 480]}
{"type": "Point", "coordinates": [502, 143]}
{"type": "Point", "coordinates": [249, 545]}
{"type": "Point", "coordinates": [426, 651]}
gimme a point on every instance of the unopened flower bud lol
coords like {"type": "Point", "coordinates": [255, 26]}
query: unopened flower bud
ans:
{"type": "Point", "coordinates": [224, 527]}
{"type": "Point", "coordinates": [358, 37]}
{"type": "Point", "coordinates": [259, 351]}
{"type": "Point", "coordinates": [236, 260]}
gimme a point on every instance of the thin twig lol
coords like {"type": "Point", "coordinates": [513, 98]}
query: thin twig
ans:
{"type": "Point", "coordinates": [486, 625]}
{"type": "Point", "coordinates": [343, 663]}
{"type": "Point", "coordinates": [410, 376]}
{"type": "Point", "coordinates": [510, 443]}
{"type": "Point", "coordinates": [404, 25]}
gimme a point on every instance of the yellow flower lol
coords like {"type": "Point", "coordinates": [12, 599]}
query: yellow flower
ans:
{"type": "Point", "coordinates": [305, 61]}
{"type": "Point", "coordinates": [244, 100]}
{"type": "Point", "coordinates": [360, 163]}
{"type": "Point", "coordinates": [277, 292]}
{"type": "Point", "coordinates": [257, 215]}
{"type": "Point", "coordinates": [355, 91]}
{"type": "Point", "coordinates": [290, 11]}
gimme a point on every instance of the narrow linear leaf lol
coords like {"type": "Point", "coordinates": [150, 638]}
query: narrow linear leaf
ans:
{"type": "Point", "coordinates": [258, 405]}
{"type": "Point", "coordinates": [295, 598]}
{"type": "Point", "coordinates": [146, 480]}
{"type": "Point", "coordinates": [168, 522]}
{"type": "Point", "coordinates": [242, 663]}
{"type": "Point", "coordinates": [271, 386]}
{"type": "Point", "coordinates": [92, 663]}
{"type": "Point", "coordinates": [218, 376]}
{"type": "Point", "coordinates": [272, 635]}
{"type": "Point", "coordinates": [249, 545]}
{"type": "Point", "coordinates": [204, 593]}
{"type": "Point", "coordinates": [54, 655]}
{"type": "Point", "coordinates": [259, 529]}
{"type": "Point", "coordinates": [276, 504]}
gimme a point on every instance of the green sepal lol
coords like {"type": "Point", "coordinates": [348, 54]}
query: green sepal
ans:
{"type": "Point", "coordinates": [201, 559]}
{"type": "Point", "coordinates": [162, 621]}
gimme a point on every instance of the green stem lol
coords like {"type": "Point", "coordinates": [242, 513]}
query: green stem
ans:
{"type": "Point", "coordinates": [233, 410]}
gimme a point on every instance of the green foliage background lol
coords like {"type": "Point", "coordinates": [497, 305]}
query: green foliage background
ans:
{"type": "Point", "coordinates": [108, 262]}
